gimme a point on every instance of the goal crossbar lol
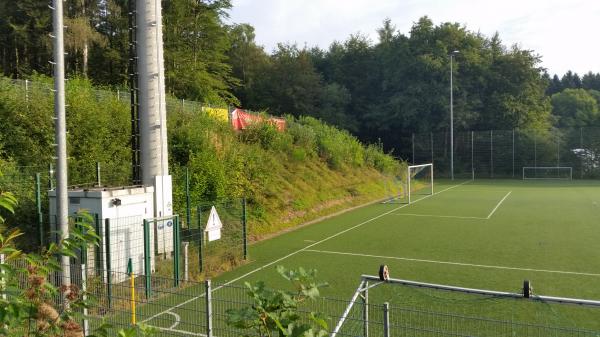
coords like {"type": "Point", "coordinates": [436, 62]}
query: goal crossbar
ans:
{"type": "Point", "coordinates": [541, 168]}
{"type": "Point", "coordinates": [532, 297]}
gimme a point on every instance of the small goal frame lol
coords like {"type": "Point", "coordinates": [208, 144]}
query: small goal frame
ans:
{"type": "Point", "coordinates": [408, 178]}
{"type": "Point", "coordinates": [570, 177]}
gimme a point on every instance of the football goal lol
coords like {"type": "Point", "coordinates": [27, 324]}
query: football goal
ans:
{"type": "Point", "coordinates": [548, 172]}
{"type": "Point", "coordinates": [385, 306]}
{"type": "Point", "coordinates": [418, 180]}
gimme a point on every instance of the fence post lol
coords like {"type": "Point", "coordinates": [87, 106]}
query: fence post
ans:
{"type": "Point", "coordinates": [98, 177]}
{"type": "Point", "coordinates": [200, 237]}
{"type": "Point", "coordinates": [491, 153]}
{"type": "Point", "coordinates": [244, 228]}
{"type": "Point", "coordinates": [38, 204]}
{"type": "Point", "coordinates": [534, 148]}
{"type": "Point", "coordinates": [2, 281]}
{"type": "Point", "coordinates": [86, 326]}
{"type": "Point", "coordinates": [27, 94]}
{"type": "Point", "coordinates": [50, 176]}
{"type": "Point", "coordinates": [472, 161]}
{"type": "Point", "coordinates": [208, 294]}
{"type": "Point", "coordinates": [188, 210]}
{"type": "Point", "coordinates": [176, 251]}
{"type": "Point", "coordinates": [413, 148]}
{"type": "Point", "coordinates": [186, 261]}
{"type": "Point", "coordinates": [431, 143]}
{"type": "Point", "coordinates": [557, 150]}
{"type": "Point", "coordinates": [147, 266]}
{"type": "Point", "coordinates": [108, 261]}
{"type": "Point", "coordinates": [581, 147]}
{"type": "Point", "coordinates": [365, 299]}
{"type": "Point", "coordinates": [513, 153]}
{"type": "Point", "coordinates": [386, 319]}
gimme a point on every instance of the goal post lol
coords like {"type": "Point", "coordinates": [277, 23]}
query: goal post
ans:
{"type": "Point", "coordinates": [548, 172]}
{"type": "Point", "coordinates": [416, 180]}
{"type": "Point", "coordinates": [419, 178]}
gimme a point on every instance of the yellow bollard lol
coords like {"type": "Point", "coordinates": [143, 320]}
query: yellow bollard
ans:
{"type": "Point", "coordinates": [132, 286]}
{"type": "Point", "coordinates": [132, 299]}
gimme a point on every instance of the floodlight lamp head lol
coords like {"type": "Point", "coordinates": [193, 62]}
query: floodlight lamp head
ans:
{"type": "Point", "coordinates": [454, 52]}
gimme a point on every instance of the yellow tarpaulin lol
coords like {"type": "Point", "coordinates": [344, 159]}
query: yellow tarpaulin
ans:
{"type": "Point", "coordinates": [218, 113]}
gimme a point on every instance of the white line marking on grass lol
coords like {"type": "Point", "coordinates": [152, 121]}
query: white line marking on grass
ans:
{"type": "Point", "coordinates": [301, 250]}
{"type": "Point", "coordinates": [454, 263]}
{"type": "Point", "coordinates": [498, 205]}
{"type": "Point", "coordinates": [183, 332]}
{"type": "Point", "coordinates": [177, 319]}
{"type": "Point", "coordinates": [309, 241]}
{"type": "Point", "coordinates": [442, 216]}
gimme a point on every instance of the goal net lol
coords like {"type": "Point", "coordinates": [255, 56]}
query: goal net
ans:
{"type": "Point", "coordinates": [418, 180]}
{"type": "Point", "coordinates": [555, 172]}
{"type": "Point", "coordinates": [397, 307]}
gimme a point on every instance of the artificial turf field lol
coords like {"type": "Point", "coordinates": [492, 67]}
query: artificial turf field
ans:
{"type": "Point", "coordinates": [486, 234]}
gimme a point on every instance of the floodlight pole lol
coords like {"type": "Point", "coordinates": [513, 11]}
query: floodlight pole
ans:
{"type": "Point", "coordinates": [60, 126]}
{"type": "Point", "coordinates": [452, 117]}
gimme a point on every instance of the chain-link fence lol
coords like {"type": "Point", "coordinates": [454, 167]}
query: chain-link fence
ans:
{"type": "Point", "coordinates": [504, 153]}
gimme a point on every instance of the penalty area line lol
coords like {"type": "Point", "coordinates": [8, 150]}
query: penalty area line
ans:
{"type": "Point", "coordinates": [498, 205]}
{"type": "Point", "coordinates": [453, 263]}
{"type": "Point", "coordinates": [442, 216]}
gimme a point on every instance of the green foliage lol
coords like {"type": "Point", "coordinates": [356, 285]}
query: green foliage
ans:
{"type": "Point", "coordinates": [29, 309]}
{"type": "Point", "coordinates": [576, 108]}
{"type": "Point", "coordinates": [276, 312]}
{"type": "Point", "coordinates": [311, 161]}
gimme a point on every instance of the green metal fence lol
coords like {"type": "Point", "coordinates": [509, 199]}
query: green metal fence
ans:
{"type": "Point", "coordinates": [503, 153]}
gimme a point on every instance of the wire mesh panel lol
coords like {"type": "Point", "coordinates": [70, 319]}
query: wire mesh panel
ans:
{"type": "Point", "coordinates": [482, 154]}
{"type": "Point", "coordinates": [441, 154]}
{"type": "Point", "coordinates": [463, 155]}
{"type": "Point", "coordinates": [503, 153]}
{"type": "Point", "coordinates": [222, 254]}
{"type": "Point", "coordinates": [501, 148]}
{"type": "Point", "coordinates": [590, 152]}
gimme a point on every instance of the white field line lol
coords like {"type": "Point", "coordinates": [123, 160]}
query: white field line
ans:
{"type": "Point", "coordinates": [183, 332]}
{"type": "Point", "coordinates": [498, 205]}
{"type": "Point", "coordinates": [442, 216]}
{"type": "Point", "coordinates": [455, 263]}
{"type": "Point", "coordinates": [177, 319]}
{"type": "Point", "coordinates": [301, 250]}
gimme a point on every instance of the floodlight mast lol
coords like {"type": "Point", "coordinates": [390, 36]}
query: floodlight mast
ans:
{"type": "Point", "coordinates": [452, 116]}
{"type": "Point", "coordinates": [60, 127]}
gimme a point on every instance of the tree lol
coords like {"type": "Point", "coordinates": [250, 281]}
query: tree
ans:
{"type": "Point", "coordinates": [554, 86]}
{"type": "Point", "coordinates": [575, 108]}
{"type": "Point", "coordinates": [80, 33]}
{"type": "Point", "coordinates": [196, 45]}
{"type": "Point", "coordinates": [570, 80]}
{"type": "Point", "coordinates": [591, 81]}
{"type": "Point", "coordinates": [249, 62]}
{"type": "Point", "coordinates": [24, 41]}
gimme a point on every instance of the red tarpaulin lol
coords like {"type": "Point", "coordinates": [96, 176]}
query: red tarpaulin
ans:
{"type": "Point", "coordinates": [240, 120]}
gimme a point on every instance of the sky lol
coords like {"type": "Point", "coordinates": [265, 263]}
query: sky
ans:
{"type": "Point", "coordinates": [565, 33]}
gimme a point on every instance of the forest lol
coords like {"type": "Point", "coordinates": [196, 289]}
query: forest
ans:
{"type": "Point", "coordinates": [380, 91]}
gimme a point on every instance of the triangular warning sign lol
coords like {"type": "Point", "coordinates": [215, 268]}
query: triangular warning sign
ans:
{"type": "Point", "coordinates": [213, 225]}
